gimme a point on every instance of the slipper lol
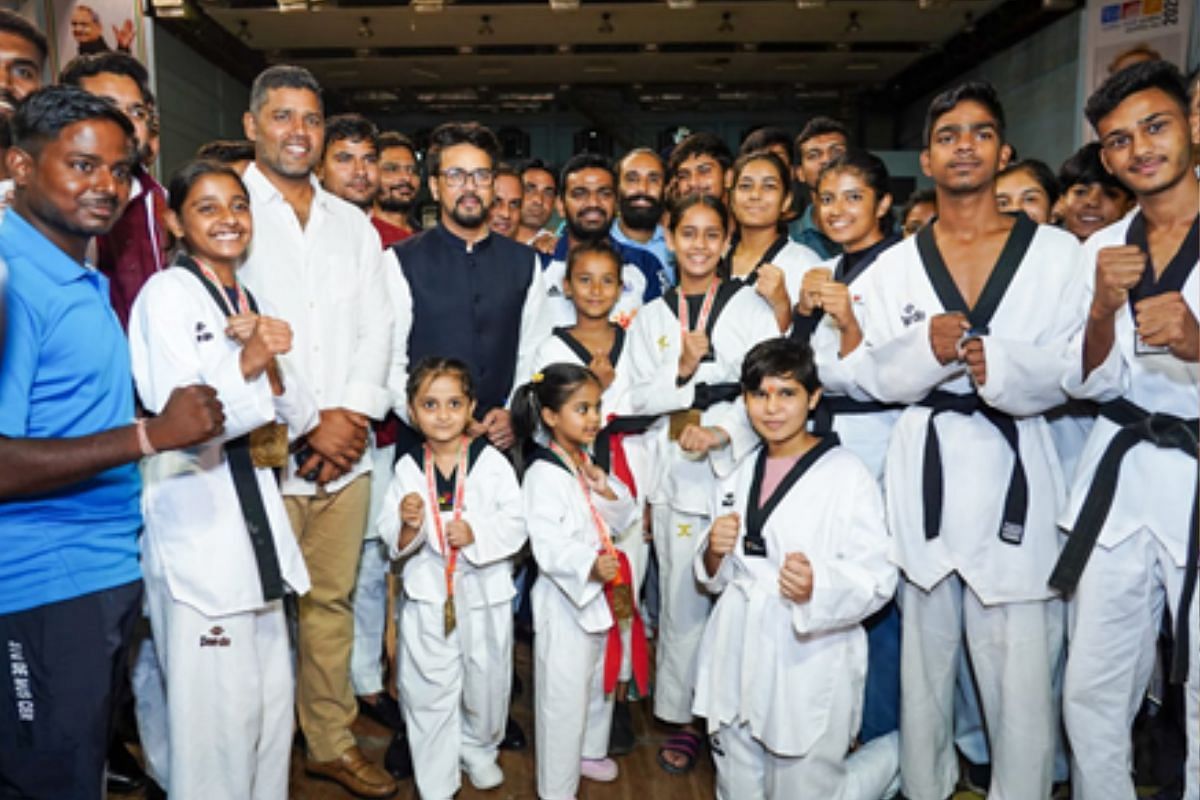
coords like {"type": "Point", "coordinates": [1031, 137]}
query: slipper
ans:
{"type": "Point", "coordinates": [685, 743]}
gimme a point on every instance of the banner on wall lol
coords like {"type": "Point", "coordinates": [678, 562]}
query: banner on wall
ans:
{"type": "Point", "coordinates": [1115, 29]}
{"type": "Point", "coordinates": [76, 27]}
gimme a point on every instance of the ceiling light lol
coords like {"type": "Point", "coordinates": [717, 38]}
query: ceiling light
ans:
{"type": "Point", "coordinates": [681, 5]}
{"type": "Point", "coordinates": [726, 25]}
{"type": "Point", "coordinates": [853, 25]}
{"type": "Point", "coordinates": [927, 5]}
{"type": "Point", "coordinates": [606, 25]}
{"type": "Point", "coordinates": [968, 22]}
{"type": "Point", "coordinates": [564, 5]}
{"type": "Point", "coordinates": [169, 8]}
{"type": "Point", "coordinates": [243, 31]}
{"type": "Point", "coordinates": [427, 6]}
{"type": "Point", "coordinates": [287, 6]}
{"type": "Point", "coordinates": [485, 25]}
{"type": "Point", "coordinates": [364, 28]}
{"type": "Point", "coordinates": [802, 4]}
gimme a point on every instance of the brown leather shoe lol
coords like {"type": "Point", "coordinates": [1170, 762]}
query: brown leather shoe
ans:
{"type": "Point", "coordinates": [356, 775]}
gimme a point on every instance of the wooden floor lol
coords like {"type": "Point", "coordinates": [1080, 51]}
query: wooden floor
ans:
{"type": "Point", "coordinates": [641, 778]}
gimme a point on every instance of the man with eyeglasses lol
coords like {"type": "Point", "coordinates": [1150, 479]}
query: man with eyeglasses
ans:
{"type": "Point", "coordinates": [399, 185]}
{"type": "Point", "coordinates": [136, 246]}
{"type": "Point", "coordinates": [476, 296]}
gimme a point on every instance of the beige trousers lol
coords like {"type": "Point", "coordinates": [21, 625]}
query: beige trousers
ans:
{"type": "Point", "coordinates": [329, 528]}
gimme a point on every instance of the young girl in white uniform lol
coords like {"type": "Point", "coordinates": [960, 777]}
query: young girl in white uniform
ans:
{"type": "Point", "coordinates": [218, 552]}
{"type": "Point", "coordinates": [581, 597]}
{"type": "Point", "coordinates": [685, 353]}
{"type": "Point", "coordinates": [454, 511]}
{"type": "Point", "coordinates": [592, 283]}
{"type": "Point", "coordinates": [798, 551]}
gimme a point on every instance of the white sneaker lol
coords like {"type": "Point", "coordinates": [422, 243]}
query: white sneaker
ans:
{"type": "Point", "coordinates": [603, 770]}
{"type": "Point", "coordinates": [485, 776]}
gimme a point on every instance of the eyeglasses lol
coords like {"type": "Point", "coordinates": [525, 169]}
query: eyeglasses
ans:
{"type": "Point", "coordinates": [456, 177]}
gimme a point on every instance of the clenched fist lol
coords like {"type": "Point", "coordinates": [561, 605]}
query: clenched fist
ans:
{"type": "Point", "coordinates": [192, 415]}
{"type": "Point", "coordinates": [796, 578]}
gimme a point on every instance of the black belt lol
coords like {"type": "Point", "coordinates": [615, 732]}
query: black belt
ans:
{"type": "Point", "coordinates": [1137, 426]}
{"type": "Point", "coordinates": [602, 448]}
{"type": "Point", "coordinates": [1016, 499]}
{"type": "Point", "coordinates": [834, 405]}
{"type": "Point", "coordinates": [709, 394]}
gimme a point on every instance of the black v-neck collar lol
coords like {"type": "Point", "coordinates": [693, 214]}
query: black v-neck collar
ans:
{"type": "Point", "coordinates": [474, 450]}
{"type": "Point", "coordinates": [768, 256]}
{"type": "Point", "coordinates": [583, 354]}
{"type": "Point", "coordinates": [725, 292]}
{"type": "Point", "coordinates": [756, 514]}
{"type": "Point", "coordinates": [861, 260]}
{"type": "Point", "coordinates": [980, 316]}
{"type": "Point", "coordinates": [1178, 268]}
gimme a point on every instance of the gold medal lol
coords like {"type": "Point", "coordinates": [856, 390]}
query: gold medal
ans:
{"type": "Point", "coordinates": [680, 420]}
{"type": "Point", "coordinates": [449, 620]}
{"type": "Point", "coordinates": [622, 602]}
{"type": "Point", "coordinates": [269, 446]}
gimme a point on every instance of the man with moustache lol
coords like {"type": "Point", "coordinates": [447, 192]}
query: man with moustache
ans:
{"type": "Point", "coordinates": [399, 185]}
{"type": "Point", "coordinates": [641, 179]}
{"type": "Point", "coordinates": [540, 186]}
{"type": "Point", "coordinates": [588, 204]}
{"type": "Point", "coordinates": [317, 259]}
{"type": "Point", "coordinates": [136, 247]}
{"type": "Point", "coordinates": [70, 587]}
{"type": "Point", "coordinates": [697, 165]}
{"type": "Point", "coordinates": [349, 167]}
{"type": "Point", "coordinates": [23, 51]}
{"type": "Point", "coordinates": [504, 217]}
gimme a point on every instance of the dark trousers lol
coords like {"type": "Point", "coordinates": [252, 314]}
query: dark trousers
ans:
{"type": "Point", "coordinates": [62, 663]}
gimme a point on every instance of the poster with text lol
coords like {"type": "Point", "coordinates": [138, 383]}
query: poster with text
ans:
{"type": "Point", "coordinates": [1116, 31]}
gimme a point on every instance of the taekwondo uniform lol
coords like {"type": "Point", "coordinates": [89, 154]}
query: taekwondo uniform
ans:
{"type": "Point", "coordinates": [213, 589]}
{"type": "Point", "coordinates": [740, 319]}
{"type": "Point", "coordinates": [781, 683]}
{"type": "Point", "coordinates": [572, 620]}
{"type": "Point", "coordinates": [973, 515]}
{"type": "Point", "coordinates": [454, 687]}
{"type": "Point", "coordinates": [1132, 518]}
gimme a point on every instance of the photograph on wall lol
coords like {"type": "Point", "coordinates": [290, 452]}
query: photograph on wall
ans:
{"type": "Point", "coordinates": [79, 27]}
{"type": "Point", "coordinates": [1118, 30]}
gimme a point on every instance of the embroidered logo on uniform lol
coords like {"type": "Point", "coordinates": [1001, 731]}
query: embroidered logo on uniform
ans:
{"type": "Point", "coordinates": [554, 291]}
{"type": "Point", "coordinates": [624, 318]}
{"type": "Point", "coordinates": [203, 334]}
{"type": "Point", "coordinates": [714, 744]}
{"type": "Point", "coordinates": [911, 314]}
{"type": "Point", "coordinates": [727, 500]}
{"type": "Point", "coordinates": [18, 668]}
{"type": "Point", "coordinates": [685, 529]}
{"type": "Point", "coordinates": [215, 638]}
{"type": "Point", "coordinates": [662, 343]}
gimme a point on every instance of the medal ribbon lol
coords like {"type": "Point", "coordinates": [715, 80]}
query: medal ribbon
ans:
{"type": "Point", "coordinates": [710, 296]}
{"type": "Point", "coordinates": [243, 304]}
{"type": "Point", "coordinates": [460, 489]}
{"type": "Point", "coordinates": [640, 658]}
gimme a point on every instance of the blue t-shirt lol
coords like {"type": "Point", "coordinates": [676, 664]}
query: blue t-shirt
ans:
{"type": "Point", "coordinates": [657, 247]}
{"type": "Point", "coordinates": [64, 373]}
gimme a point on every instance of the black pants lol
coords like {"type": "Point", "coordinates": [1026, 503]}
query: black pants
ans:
{"type": "Point", "coordinates": [61, 666]}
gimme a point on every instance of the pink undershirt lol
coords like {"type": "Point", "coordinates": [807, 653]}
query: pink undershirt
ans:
{"type": "Point", "coordinates": [773, 473]}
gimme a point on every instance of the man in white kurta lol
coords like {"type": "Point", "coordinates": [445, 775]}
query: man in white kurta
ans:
{"type": "Point", "coordinates": [1132, 513]}
{"type": "Point", "coordinates": [972, 481]}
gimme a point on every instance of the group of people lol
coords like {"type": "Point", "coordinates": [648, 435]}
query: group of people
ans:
{"type": "Point", "coordinates": [872, 489]}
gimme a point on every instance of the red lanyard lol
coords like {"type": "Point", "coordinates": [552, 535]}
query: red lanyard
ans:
{"type": "Point", "coordinates": [243, 304]}
{"type": "Point", "coordinates": [710, 296]}
{"type": "Point", "coordinates": [601, 526]}
{"type": "Point", "coordinates": [460, 488]}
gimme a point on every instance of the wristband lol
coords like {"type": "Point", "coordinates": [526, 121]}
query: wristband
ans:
{"type": "Point", "coordinates": [143, 438]}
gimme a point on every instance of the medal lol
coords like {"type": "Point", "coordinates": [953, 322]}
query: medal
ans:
{"type": "Point", "coordinates": [449, 617]}
{"type": "Point", "coordinates": [269, 446]}
{"type": "Point", "coordinates": [621, 596]}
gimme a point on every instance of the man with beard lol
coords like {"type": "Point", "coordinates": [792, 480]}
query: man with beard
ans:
{"type": "Point", "coordinates": [136, 246]}
{"type": "Point", "coordinates": [641, 178]}
{"type": "Point", "coordinates": [540, 188]}
{"type": "Point", "coordinates": [70, 587]}
{"type": "Point", "coordinates": [23, 52]}
{"type": "Point", "coordinates": [504, 217]}
{"type": "Point", "coordinates": [476, 296]}
{"type": "Point", "coordinates": [317, 260]}
{"type": "Point", "coordinates": [399, 185]}
{"type": "Point", "coordinates": [588, 204]}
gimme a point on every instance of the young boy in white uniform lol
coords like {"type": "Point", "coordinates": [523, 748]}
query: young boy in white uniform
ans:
{"type": "Point", "coordinates": [1132, 550]}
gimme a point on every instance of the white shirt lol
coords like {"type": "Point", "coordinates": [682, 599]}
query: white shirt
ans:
{"type": "Point", "coordinates": [327, 281]}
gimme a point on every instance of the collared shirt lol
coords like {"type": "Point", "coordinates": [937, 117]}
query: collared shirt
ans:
{"type": "Point", "coordinates": [477, 301]}
{"type": "Point", "coordinates": [656, 246]}
{"type": "Point", "coordinates": [136, 246]}
{"type": "Point", "coordinates": [804, 230]}
{"type": "Point", "coordinates": [326, 280]}
{"type": "Point", "coordinates": [64, 373]}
